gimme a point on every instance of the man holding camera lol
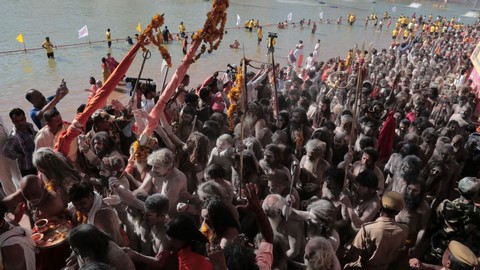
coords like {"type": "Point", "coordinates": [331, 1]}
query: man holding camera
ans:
{"type": "Point", "coordinates": [42, 104]}
{"type": "Point", "coordinates": [149, 94]}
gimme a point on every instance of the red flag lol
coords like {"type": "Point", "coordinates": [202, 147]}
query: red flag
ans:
{"type": "Point", "coordinates": [386, 137]}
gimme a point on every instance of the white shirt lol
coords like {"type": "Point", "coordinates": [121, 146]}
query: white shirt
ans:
{"type": "Point", "coordinates": [147, 105]}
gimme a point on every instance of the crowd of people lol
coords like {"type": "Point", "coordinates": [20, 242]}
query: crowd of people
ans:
{"type": "Point", "coordinates": [367, 162]}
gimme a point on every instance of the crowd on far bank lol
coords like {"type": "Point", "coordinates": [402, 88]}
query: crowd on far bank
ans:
{"type": "Point", "coordinates": [370, 161]}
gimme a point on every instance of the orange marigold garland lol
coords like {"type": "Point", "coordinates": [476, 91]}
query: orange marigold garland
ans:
{"type": "Point", "coordinates": [210, 33]}
{"type": "Point", "coordinates": [49, 185]}
{"type": "Point", "coordinates": [148, 37]}
{"type": "Point", "coordinates": [234, 96]}
{"type": "Point", "coordinates": [141, 152]}
{"type": "Point", "coordinates": [81, 218]}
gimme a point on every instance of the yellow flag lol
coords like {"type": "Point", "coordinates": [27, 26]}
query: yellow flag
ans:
{"type": "Point", "coordinates": [139, 27]}
{"type": "Point", "coordinates": [20, 38]}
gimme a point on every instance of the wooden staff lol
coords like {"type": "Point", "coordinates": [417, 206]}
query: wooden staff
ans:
{"type": "Point", "coordinates": [242, 109]}
{"type": "Point", "coordinates": [293, 169]}
{"type": "Point", "coordinates": [355, 114]}
{"type": "Point", "coordinates": [275, 95]}
{"type": "Point", "coordinates": [194, 124]}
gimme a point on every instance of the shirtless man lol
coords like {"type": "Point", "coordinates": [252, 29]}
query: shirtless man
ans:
{"type": "Point", "coordinates": [344, 129]}
{"type": "Point", "coordinates": [364, 203]}
{"type": "Point", "coordinates": [313, 166]}
{"type": "Point", "coordinates": [416, 215]}
{"type": "Point", "coordinates": [445, 152]}
{"type": "Point", "coordinates": [271, 160]}
{"type": "Point", "coordinates": [278, 183]}
{"type": "Point", "coordinates": [16, 247]}
{"type": "Point", "coordinates": [41, 203]}
{"type": "Point", "coordinates": [368, 161]}
{"type": "Point", "coordinates": [463, 117]}
{"type": "Point", "coordinates": [88, 207]}
{"type": "Point", "coordinates": [164, 178]}
{"type": "Point", "coordinates": [155, 216]}
{"type": "Point", "coordinates": [293, 230]}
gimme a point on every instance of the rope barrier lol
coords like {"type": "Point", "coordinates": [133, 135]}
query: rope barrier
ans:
{"type": "Point", "coordinates": [125, 39]}
{"type": "Point", "coordinates": [323, 21]}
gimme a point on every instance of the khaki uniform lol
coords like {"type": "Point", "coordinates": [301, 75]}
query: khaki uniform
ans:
{"type": "Point", "coordinates": [380, 242]}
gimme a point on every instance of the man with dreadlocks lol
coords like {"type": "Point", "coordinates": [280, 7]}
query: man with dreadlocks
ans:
{"type": "Point", "coordinates": [186, 123]}
{"type": "Point", "coordinates": [55, 171]}
{"type": "Point", "coordinates": [193, 159]}
{"type": "Point", "coordinates": [101, 147]}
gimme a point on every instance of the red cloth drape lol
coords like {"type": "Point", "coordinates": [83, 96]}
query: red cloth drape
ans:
{"type": "Point", "coordinates": [95, 103]}
{"type": "Point", "coordinates": [154, 116]}
{"type": "Point", "coordinates": [386, 137]}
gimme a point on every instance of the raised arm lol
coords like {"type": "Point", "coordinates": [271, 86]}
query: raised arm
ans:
{"type": "Point", "coordinates": [125, 194]}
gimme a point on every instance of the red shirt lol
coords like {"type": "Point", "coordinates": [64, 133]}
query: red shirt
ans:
{"type": "Point", "coordinates": [189, 260]}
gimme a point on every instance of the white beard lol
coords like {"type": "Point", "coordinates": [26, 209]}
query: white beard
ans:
{"type": "Point", "coordinates": [311, 166]}
{"type": "Point", "coordinates": [141, 166]}
{"type": "Point", "coordinates": [249, 121]}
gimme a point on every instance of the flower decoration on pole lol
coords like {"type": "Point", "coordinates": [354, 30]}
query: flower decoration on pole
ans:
{"type": "Point", "coordinates": [234, 96]}
{"type": "Point", "coordinates": [214, 27]}
{"type": "Point", "coordinates": [148, 37]}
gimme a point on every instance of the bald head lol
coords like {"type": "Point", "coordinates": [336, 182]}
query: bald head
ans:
{"type": "Point", "coordinates": [32, 189]}
{"type": "Point", "coordinates": [273, 205]}
{"type": "Point", "coordinates": [36, 98]}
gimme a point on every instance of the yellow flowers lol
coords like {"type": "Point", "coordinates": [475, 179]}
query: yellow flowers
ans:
{"type": "Point", "coordinates": [148, 37]}
{"type": "Point", "coordinates": [234, 96]}
{"type": "Point", "coordinates": [214, 27]}
{"type": "Point", "coordinates": [49, 185]}
{"type": "Point", "coordinates": [81, 218]}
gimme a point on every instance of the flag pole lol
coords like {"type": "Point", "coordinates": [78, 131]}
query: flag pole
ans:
{"type": "Point", "coordinates": [89, 42]}
{"type": "Point", "coordinates": [24, 46]}
{"type": "Point", "coordinates": [164, 84]}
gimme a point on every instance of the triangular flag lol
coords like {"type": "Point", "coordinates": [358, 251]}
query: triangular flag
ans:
{"type": "Point", "coordinates": [139, 27]}
{"type": "Point", "coordinates": [20, 38]}
{"type": "Point", "coordinates": [321, 15]}
{"type": "Point", "coordinates": [238, 20]}
{"type": "Point", "coordinates": [164, 64]}
{"type": "Point", "coordinates": [394, 9]}
{"type": "Point", "coordinates": [83, 32]}
{"type": "Point", "coordinates": [289, 17]}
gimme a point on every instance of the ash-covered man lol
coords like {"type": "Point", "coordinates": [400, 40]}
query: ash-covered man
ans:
{"type": "Point", "coordinates": [313, 167]}
{"type": "Point", "coordinates": [164, 178]}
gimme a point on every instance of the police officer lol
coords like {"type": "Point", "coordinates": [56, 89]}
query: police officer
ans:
{"type": "Point", "coordinates": [457, 220]}
{"type": "Point", "coordinates": [378, 243]}
{"type": "Point", "coordinates": [457, 256]}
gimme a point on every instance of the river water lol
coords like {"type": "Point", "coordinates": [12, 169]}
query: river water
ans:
{"type": "Point", "coordinates": [61, 20]}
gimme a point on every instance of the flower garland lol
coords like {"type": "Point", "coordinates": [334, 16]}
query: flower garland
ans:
{"type": "Point", "coordinates": [81, 218]}
{"type": "Point", "coordinates": [210, 33]}
{"type": "Point", "coordinates": [49, 185]}
{"type": "Point", "coordinates": [234, 96]}
{"type": "Point", "coordinates": [141, 152]}
{"type": "Point", "coordinates": [148, 37]}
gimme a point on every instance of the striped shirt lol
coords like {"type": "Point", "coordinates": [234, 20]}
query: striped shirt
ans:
{"type": "Point", "coordinates": [20, 146]}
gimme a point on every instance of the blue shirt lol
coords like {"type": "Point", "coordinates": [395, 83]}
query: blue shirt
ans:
{"type": "Point", "coordinates": [33, 115]}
